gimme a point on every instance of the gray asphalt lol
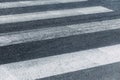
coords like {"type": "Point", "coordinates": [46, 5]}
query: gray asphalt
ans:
{"type": "Point", "coordinates": [39, 49]}
{"type": "Point", "coordinates": [37, 24]}
{"type": "Point", "coordinates": [107, 72]}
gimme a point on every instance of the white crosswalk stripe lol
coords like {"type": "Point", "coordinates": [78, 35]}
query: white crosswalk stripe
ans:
{"type": "Point", "coordinates": [59, 64]}
{"type": "Point", "coordinates": [4, 5]}
{"type": "Point", "coordinates": [52, 14]}
{"type": "Point", "coordinates": [55, 65]}
{"type": "Point", "coordinates": [56, 32]}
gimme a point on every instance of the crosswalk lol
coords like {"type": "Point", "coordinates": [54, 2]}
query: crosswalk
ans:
{"type": "Point", "coordinates": [67, 62]}
{"type": "Point", "coordinates": [34, 3]}
{"type": "Point", "coordinates": [55, 65]}
{"type": "Point", "coordinates": [51, 33]}
{"type": "Point", "coordinates": [51, 14]}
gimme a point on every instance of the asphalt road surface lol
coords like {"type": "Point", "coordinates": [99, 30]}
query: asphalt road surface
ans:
{"type": "Point", "coordinates": [60, 21]}
{"type": "Point", "coordinates": [36, 37]}
{"type": "Point", "coordinates": [107, 72]}
{"type": "Point", "coordinates": [42, 48]}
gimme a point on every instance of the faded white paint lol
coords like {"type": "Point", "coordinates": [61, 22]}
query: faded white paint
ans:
{"type": "Point", "coordinates": [6, 75]}
{"type": "Point", "coordinates": [65, 63]}
{"type": "Point", "coordinates": [4, 5]}
{"type": "Point", "coordinates": [52, 14]}
{"type": "Point", "coordinates": [56, 32]}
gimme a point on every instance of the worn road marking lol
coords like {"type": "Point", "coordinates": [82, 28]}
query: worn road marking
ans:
{"type": "Point", "coordinates": [52, 14]}
{"type": "Point", "coordinates": [57, 32]}
{"type": "Point", "coordinates": [4, 5]}
{"type": "Point", "coordinates": [60, 64]}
